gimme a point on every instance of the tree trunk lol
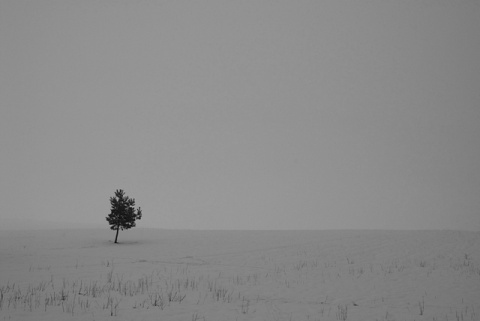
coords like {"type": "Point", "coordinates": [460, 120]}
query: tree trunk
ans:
{"type": "Point", "coordinates": [116, 236]}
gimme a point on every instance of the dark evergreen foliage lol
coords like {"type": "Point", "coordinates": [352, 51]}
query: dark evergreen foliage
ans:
{"type": "Point", "coordinates": [122, 214]}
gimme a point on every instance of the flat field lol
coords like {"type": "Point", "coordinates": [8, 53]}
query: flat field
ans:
{"type": "Point", "coordinates": [239, 275]}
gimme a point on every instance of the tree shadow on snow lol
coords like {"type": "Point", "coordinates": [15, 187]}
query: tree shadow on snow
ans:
{"type": "Point", "coordinates": [126, 242]}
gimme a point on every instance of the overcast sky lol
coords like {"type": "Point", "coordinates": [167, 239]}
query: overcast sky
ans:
{"type": "Point", "coordinates": [242, 114]}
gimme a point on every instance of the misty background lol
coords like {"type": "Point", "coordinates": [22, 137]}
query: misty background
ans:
{"type": "Point", "coordinates": [241, 114]}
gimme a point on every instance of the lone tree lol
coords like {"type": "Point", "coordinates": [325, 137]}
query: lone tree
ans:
{"type": "Point", "coordinates": [122, 215]}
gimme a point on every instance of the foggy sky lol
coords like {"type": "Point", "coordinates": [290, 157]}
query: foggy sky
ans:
{"type": "Point", "coordinates": [242, 114]}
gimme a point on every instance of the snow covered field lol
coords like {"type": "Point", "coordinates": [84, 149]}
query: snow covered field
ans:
{"type": "Point", "coordinates": [239, 275]}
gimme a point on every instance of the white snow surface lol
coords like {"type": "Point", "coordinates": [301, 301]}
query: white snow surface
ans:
{"type": "Point", "coordinates": [155, 274]}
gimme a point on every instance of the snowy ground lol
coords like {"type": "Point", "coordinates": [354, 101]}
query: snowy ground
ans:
{"type": "Point", "coordinates": [247, 275]}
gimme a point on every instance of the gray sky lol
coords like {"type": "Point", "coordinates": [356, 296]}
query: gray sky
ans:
{"type": "Point", "coordinates": [242, 114]}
